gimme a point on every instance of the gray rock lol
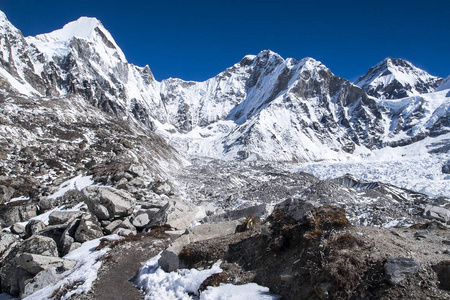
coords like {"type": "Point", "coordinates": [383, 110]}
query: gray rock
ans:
{"type": "Point", "coordinates": [177, 214]}
{"type": "Point", "coordinates": [135, 170]}
{"type": "Point", "coordinates": [108, 203]}
{"type": "Point", "coordinates": [446, 167]}
{"type": "Point", "coordinates": [162, 188]}
{"type": "Point", "coordinates": [123, 228]}
{"type": "Point", "coordinates": [397, 269]}
{"type": "Point", "coordinates": [297, 209]}
{"type": "Point", "coordinates": [443, 272]}
{"type": "Point", "coordinates": [17, 228]}
{"type": "Point", "coordinates": [7, 242]}
{"type": "Point", "coordinates": [437, 213]}
{"type": "Point", "coordinates": [62, 217]}
{"type": "Point", "coordinates": [38, 282]}
{"type": "Point", "coordinates": [35, 263]}
{"type": "Point", "coordinates": [262, 211]}
{"type": "Point", "coordinates": [35, 245]}
{"type": "Point", "coordinates": [141, 219]}
{"type": "Point", "coordinates": [67, 238]}
{"type": "Point", "coordinates": [33, 227]}
{"type": "Point", "coordinates": [125, 232]}
{"type": "Point", "coordinates": [17, 212]}
{"type": "Point", "coordinates": [213, 230]}
{"type": "Point", "coordinates": [169, 261]}
{"type": "Point", "coordinates": [88, 229]}
{"type": "Point", "coordinates": [53, 231]}
{"type": "Point", "coordinates": [18, 281]}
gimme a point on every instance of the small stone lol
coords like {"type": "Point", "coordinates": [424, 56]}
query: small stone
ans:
{"type": "Point", "coordinates": [17, 228]}
{"type": "Point", "coordinates": [396, 269]}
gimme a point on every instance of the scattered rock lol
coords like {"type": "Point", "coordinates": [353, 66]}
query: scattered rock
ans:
{"type": "Point", "coordinates": [67, 238]}
{"type": "Point", "coordinates": [397, 269]}
{"type": "Point", "coordinates": [162, 188]}
{"type": "Point", "coordinates": [135, 170]}
{"type": "Point", "coordinates": [108, 203]}
{"type": "Point", "coordinates": [261, 211]}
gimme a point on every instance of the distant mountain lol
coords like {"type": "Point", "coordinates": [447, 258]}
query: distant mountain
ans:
{"type": "Point", "coordinates": [263, 107]}
{"type": "Point", "coordinates": [395, 78]}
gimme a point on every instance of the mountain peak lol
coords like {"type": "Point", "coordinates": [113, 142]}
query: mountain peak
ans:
{"type": "Point", "coordinates": [397, 78]}
{"type": "Point", "coordinates": [84, 27]}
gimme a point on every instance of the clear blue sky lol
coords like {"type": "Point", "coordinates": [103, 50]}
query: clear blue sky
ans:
{"type": "Point", "coordinates": [195, 40]}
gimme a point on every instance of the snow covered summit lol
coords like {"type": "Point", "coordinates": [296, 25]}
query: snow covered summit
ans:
{"type": "Point", "coordinates": [395, 78]}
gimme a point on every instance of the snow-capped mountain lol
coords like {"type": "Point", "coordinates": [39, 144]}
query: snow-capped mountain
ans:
{"type": "Point", "coordinates": [395, 78]}
{"type": "Point", "coordinates": [263, 107]}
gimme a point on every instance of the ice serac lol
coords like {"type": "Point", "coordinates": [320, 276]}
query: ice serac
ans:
{"type": "Point", "coordinates": [395, 78]}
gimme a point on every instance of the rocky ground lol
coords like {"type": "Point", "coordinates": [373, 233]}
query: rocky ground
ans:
{"type": "Point", "coordinates": [298, 235]}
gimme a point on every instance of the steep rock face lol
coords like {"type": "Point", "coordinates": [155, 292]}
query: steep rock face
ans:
{"type": "Point", "coordinates": [395, 78]}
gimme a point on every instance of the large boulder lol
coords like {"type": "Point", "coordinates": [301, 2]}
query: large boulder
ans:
{"type": "Point", "coordinates": [33, 227]}
{"type": "Point", "coordinates": [437, 213]}
{"type": "Point", "coordinates": [38, 282]}
{"type": "Point", "coordinates": [176, 214]}
{"type": "Point", "coordinates": [14, 212]}
{"type": "Point", "coordinates": [62, 217]}
{"type": "Point", "coordinates": [35, 263]}
{"type": "Point", "coordinates": [297, 209]}
{"type": "Point", "coordinates": [261, 211]}
{"type": "Point", "coordinates": [67, 238]}
{"type": "Point", "coordinates": [88, 229]}
{"type": "Point", "coordinates": [34, 245]}
{"type": "Point", "coordinates": [169, 261]}
{"type": "Point", "coordinates": [7, 242]}
{"type": "Point", "coordinates": [108, 203]}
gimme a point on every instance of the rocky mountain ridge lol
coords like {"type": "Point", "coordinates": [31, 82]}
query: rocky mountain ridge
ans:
{"type": "Point", "coordinates": [260, 106]}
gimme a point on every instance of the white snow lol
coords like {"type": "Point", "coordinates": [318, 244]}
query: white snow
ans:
{"type": "Point", "coordinates": [84, 273]}
{"type": "Point", "coordinates": [160, 285]}
{"type": "Point", "coordinates": [238, 292]}
{"type": "Point", "coordinates": [76, 183]}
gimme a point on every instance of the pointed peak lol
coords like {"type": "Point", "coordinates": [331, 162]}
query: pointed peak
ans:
{"type": "Point", "coordinates": [84, 27]}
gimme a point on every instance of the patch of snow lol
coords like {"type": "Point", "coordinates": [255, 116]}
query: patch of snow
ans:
{"type": "Point", "coordinates": [161, 285]}
{"type": "Point", "coordinates": [84, 273]}
{"type": "Point", "coordinates": [238, 292]}
{"type": "Point", "coordinates": [76, 183]}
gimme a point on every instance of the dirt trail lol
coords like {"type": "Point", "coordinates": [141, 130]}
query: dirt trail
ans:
{"type": "Point", "coordinates": [120, 266]}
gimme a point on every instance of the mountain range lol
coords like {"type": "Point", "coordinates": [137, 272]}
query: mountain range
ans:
{"type": "Point", "coordinates": [263, 107]}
